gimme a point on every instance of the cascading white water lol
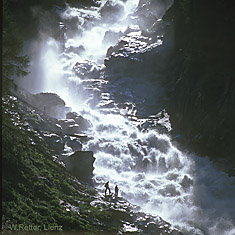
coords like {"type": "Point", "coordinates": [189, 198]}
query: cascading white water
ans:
{"type": "Point", "coordinates": [183, 189]}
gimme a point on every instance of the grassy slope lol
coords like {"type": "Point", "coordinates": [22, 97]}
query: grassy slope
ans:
{"type": "Point", "coordinates": [34, 186]}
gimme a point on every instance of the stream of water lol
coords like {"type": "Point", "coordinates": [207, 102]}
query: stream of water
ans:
{"type": "Point", "coordinates": [182, 188]}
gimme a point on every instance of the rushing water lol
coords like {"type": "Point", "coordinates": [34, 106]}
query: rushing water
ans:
{"type": "Point", "coordinates": [182, 188]}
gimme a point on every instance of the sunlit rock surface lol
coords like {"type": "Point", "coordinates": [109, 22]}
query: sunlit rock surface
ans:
{"type": "Point", "coordinates": [87, 69]}
{"type": "Point", "coordinates": [63, 136]}
{"type": "Point", "coordinates": [129, 53]}
{"type": "Point", "coordinates": [160, 121]}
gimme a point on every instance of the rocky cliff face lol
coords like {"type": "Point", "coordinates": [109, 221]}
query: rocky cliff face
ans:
{"type": "Point", "coordinates": [202, 103]}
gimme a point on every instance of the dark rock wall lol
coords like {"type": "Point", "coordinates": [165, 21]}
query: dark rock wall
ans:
{"type": "Point", "coordinates": [80, 164]}
{"type": "Point", "coordinates": [202, 100]}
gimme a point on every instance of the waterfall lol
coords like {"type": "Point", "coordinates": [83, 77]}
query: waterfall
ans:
{"type": "Point", "coordinates": [183, 188]}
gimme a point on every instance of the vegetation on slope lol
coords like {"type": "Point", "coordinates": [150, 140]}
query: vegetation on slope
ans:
{"type": "Point", "coordinates": [37, 190]}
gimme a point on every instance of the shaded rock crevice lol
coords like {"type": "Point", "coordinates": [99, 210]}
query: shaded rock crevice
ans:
{"type": "Point", "coordinates": [202, 97]}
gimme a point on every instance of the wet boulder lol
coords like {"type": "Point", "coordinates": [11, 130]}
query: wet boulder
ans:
{"type": "Point", "coordinates": [112, 50]}
{"type": "Point", "coordinates": [111, 37]}
{"type": "Point", "coordinates": [72, 129]}
{"type": "Point", "coordinates": [71, 115]}
{"type": "Point", "coordinates": [69, 126]}
{"type": "Point", "coordinates": [132, 28]}
{"type": "Point", "coordinates": [80, 164]}
{"type": "Point", "coordinates": [54, 141]}
{"type": "Point", "coordinates": [112, 11]}
{"type": "Point", "coordinates": [83, 123]}
{"type": "Point", "coordinates": [73, 124]}
{"type": "Point", "coordinates": [133, 52]}
{"type": "Point", "coordinates": [87, 69]}
{"type": "Point", "coordinates": [163, 121]}
{"type": "Point", "coordinates": [49, 103]}
{"type": "Point", "coordinates": [159, 121]}
{"type": "Point", "coordinates": [77, 50]}
{"type": "Point", "coordinates": [186, 182]}
{"type": "Point", "coordinates": [65, 123]}
{"type": "Point", "coordinates": [73, 142]}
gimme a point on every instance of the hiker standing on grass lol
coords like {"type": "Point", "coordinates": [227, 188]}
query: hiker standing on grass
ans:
{"type": "Point", "coordinates": [107, 188]}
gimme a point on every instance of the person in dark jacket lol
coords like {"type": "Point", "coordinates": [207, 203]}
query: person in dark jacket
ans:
{"type": "Point", "coordinates": [116, 191]}
{"type": "Point", "coordinates": [107, 188]}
